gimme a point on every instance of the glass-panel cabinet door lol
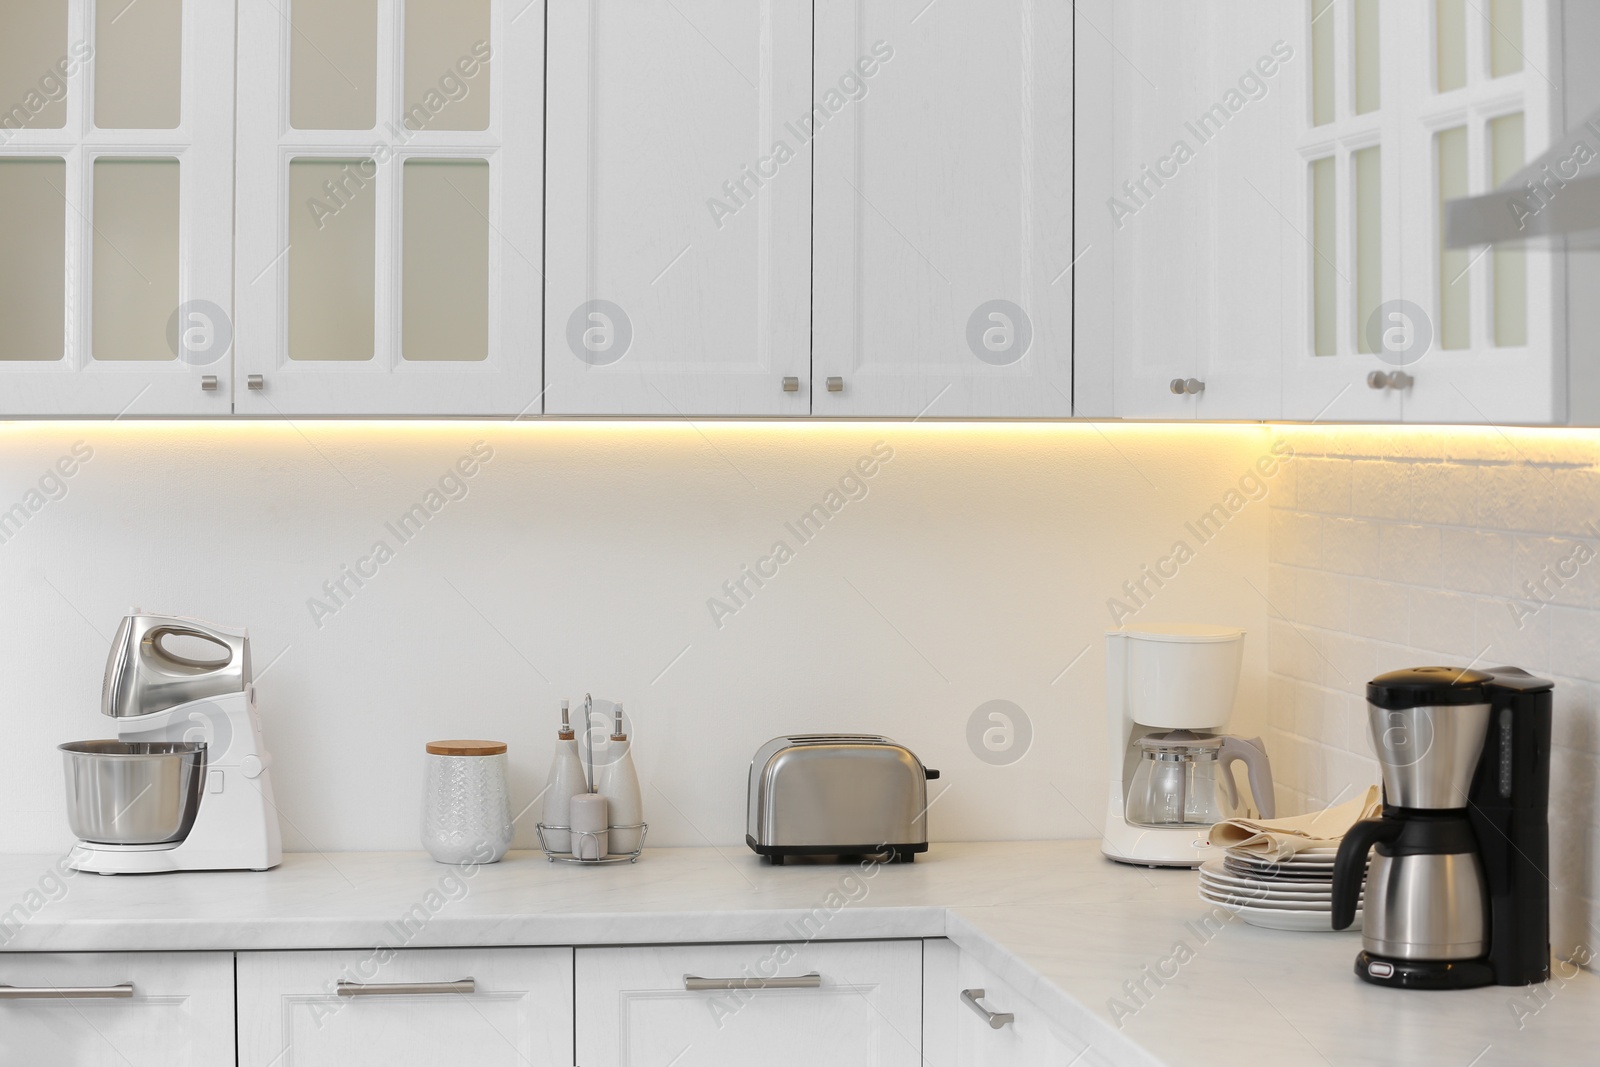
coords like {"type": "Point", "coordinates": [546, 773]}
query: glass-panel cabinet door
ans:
{"type": "Point", "coordinates": [390, 207]}
{"type": "Point", "coordinates": [116, 207]}
{"type": "Point", "coordinates": [1410, 106]}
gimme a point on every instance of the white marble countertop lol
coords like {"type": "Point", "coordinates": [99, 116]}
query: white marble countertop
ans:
{"type": "Point", "coordinates": [1066, 928]}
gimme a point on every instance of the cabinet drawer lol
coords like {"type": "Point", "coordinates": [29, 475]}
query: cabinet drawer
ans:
{"type": "Point", "coordinates": [132, 1009]}
{"type": "Point", "coordinates": [426, 1006]}
{"type": "Point", "coordinates": [846, 1004]}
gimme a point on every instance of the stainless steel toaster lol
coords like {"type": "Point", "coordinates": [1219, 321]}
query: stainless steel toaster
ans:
{"type": "Point", "coordinates": [837, 795]}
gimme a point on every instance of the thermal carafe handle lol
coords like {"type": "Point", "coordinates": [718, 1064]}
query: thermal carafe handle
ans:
{"type": "Point", "coordinates": [1254, 757]}
{"type": "Point", "coordinates": [1350, 866]}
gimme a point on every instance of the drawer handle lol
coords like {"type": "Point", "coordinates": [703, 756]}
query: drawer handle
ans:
{"type": "Point", "coordinates": [404, 989]}
{"type": "Point", "coordinates": [802, 981]}
{"type": "Point", "coordinates": [52, 992]}
{"type": "Point", "coordinates": [995, 1019]}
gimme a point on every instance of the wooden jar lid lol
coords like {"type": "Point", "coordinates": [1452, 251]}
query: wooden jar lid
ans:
{"type": "Point", "coordinates": [466, 748]}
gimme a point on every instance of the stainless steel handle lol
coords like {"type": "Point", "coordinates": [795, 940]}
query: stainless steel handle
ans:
{"type": "Point", "coordinates": [208, 382]}
{"type": "Point", "coordinates": [835, 385]}
{"type": "Point", "coordinates": [695, 983]}
{"type": "Point", "coordinates": [791, 385]}
{"type": "Point", "coordinates": [1397, 379]}
{"type": "Point", "coordinates": [995, 1019]}
{"type": "Point", "coordinates": [54, 992]}
{"type": "Point", "coordinates": [1176, 386]}
{"type": "Point", "coordinates": [404, 989]}
{"type": "Point", "coordinates": [255, 381]}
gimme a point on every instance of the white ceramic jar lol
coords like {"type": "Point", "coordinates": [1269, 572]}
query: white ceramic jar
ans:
{"type": "Point", "coordinates": [466, 807]}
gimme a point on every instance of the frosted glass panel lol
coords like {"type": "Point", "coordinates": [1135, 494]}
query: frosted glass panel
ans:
{"type": "Point", "coordinates": [33, 89]}
{"type": "Point", "coordinates": [331, 258]}
{"type": "Point", "coordinates": [1324, 225]}
{"type": "Point", "coordinates": [135, 257]}
{"type": "Point", "coordinates": [446, 259]}
{"type": "Point", "coordinates": [1369, 239]}
{"type": "Point", "coordinates": [1322, 61]}
{"type": "Point", "coordinates": [138, 60]}
{"type": "Point", "coordinates": [1450, 44]}
{"type": "Point", "coordinates": [447, 73]}
{"type": "Point", "coordinates": [1510, 264]}
{"type": "Point", "coordinates": [33, 263]}
{"type": "Point", "coordinates": [1505, 37]}
{"type": "Point", "coordinates": [1454, 285]}
{"type": "Point", "coordinates": [1365, 20]}
{"type": "Point", "coordinates": [333, 64]}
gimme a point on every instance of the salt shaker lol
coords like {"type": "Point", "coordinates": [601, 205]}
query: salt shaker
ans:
{"type": "Point", "coordinates": [589, 822]}
{"type": "Point", "coordinates": [466, 809]}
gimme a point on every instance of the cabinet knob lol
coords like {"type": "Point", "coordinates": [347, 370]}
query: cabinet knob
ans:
{"type": "Point", "coordinates": [255, 381]}
{"type": "Point", "coordinates": [208, 382]}
{"type": "Point", "coordinates": [1396, 379]}
{"type": "Point", "coordinates": [835, 385]}
{"type": "Point", "coordinates": [791, 385]}
{"type": "Point", "coordinates": [1182, 386]}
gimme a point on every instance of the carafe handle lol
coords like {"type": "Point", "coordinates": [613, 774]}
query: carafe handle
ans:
{"type": "Point", "coordinates": [1254, 757]}
{"type": "Point", "coordinates": [1350, 865]}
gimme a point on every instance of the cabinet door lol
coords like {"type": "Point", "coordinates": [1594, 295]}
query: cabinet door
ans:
{"type": "Point", "coordinates": [639, 1006]}
{"type": "Point", "coordinates": [978, 999]}
{"type": "Point", "coordinates": [128, 1009]}
{"type": "Point", "coordinates": [483, 1006]}
{"type": "Point", "coordinates": [943, 208]}
{"type": "Point", "coordinates": [678, 261]}
{"type": "Point", "coordinates": [389, 233]}
{"type": "Point", "coordinates": [1183, 206]}
{"type": "Point", "coordinates": [116, 207]}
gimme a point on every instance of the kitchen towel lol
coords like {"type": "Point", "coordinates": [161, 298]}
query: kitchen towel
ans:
{"type": "Point", "coordinates": [1278, 839]}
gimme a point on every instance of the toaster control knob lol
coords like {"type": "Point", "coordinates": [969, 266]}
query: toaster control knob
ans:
{"type": "Point", "coordinates": [252, 766]}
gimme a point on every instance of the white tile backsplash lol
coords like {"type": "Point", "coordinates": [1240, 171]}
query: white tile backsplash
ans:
{"type": "Point", "coordinates": [1397, 547]}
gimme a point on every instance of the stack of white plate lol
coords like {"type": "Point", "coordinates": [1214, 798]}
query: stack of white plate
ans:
{"type": "Point", "coordinates": [1291, 894]}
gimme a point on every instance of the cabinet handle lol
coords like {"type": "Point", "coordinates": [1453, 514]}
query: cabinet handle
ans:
{"type": "Point", "coordinates": [995, 1019]}
{"type": "Point", "coordinates": [53, 992]}
{"type": "Point", "coordinates": [791, 385]}
{"type": "Point", "coordinates": [405, 989]}
{"type": "Point", "coordinates": [801, 981]}
{"type": "Point", "coordinates": [835, 385]}
{"type": "Point", "coordinates": [1397, 379]}
{"type": "Point", "coordinates": [1181, 386]}
{"type": "Point", "coordinates": [255, 381]}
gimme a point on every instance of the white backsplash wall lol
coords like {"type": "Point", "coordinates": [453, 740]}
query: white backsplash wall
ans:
{"type": "Point", "coordinates": [974, 565]}
{"type": "Point", "coordinates": [1400, 547]}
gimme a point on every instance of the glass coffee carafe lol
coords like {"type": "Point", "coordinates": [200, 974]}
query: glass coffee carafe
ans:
{"type": "Point", "coordinates": [1185, 778]}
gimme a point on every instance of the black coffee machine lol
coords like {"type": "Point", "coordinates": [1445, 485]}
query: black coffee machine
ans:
{"type": "Point", "coordinates": [1458, 893]}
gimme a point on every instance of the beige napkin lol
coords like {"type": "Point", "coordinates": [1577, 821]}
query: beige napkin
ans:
{"type": "Point", "coordinates": [1278, 839]}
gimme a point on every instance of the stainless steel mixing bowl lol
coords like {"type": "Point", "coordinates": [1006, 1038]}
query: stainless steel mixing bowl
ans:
{"type": "Point", "coordinates": [133, 792]}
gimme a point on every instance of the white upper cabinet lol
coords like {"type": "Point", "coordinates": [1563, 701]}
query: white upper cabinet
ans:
{"type": "Point", "coordinates": [943, 213]}
{"type": "Point", "coordinates": [116, 207]}
{"type": "Point", "coordinates": [1270, 178]}
{"type": "Point", "coordinates": [390, 158]}
{"type": "Point", "coordinates": [678, 209]}
{"type": "Point", "coordinates": [1188, 257]}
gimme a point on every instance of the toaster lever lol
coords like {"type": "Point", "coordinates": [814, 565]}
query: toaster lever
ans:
{"type": "Point", "coordinates": [930, 773]}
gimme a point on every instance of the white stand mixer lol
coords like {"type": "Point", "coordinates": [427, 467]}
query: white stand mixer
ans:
{"type": "Point", "coordinates": [160, 695]}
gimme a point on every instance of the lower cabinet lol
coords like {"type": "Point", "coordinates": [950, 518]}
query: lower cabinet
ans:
{"type": "Point", "coordinates": [974, 1019]}
{"type": "Point", "coordinates": [129, 1009]}
{"type": "Point", "coordinates": [481, 1006]}
{"type": "Point", "coordinates": [840, 1003]}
